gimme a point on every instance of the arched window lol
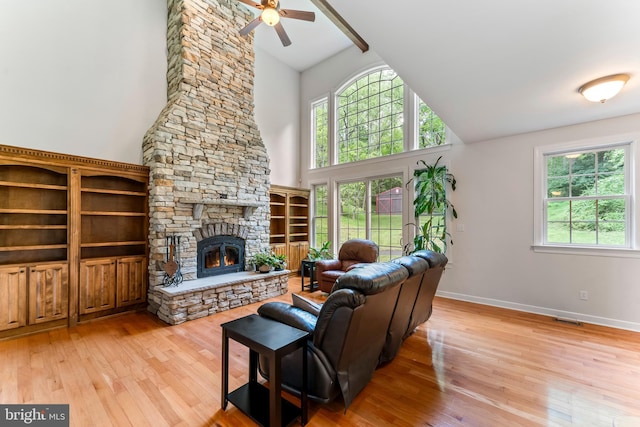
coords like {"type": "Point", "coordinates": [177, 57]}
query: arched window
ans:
{"type": "Point", "coordinates": [370, 117]}
{"type": "Point", "coordinates": [370, 121]}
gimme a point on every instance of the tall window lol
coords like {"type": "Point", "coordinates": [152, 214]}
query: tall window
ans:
{"type": "Point", "coordinates": [320, 226]}
{"type": "Point", "coordinates": [587, 200]}
{"type": "Point", "coordinates": [386, 216]}
{"type": "Point", "coordinates": [352, 212]}
{"type": "Point", "coordinates": [372, 209]}
{"type": "Point", "coordinates": [320, 120]}
{"type": "Point", "coordinates": [431, 129]}
{"type": "Point", "coordinates": [370, 117]}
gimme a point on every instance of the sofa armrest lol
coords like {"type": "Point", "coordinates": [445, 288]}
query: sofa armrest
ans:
{"type": "Point", "coordinates": [289, 315]}
{"type": "Point", "coordinates": [328, 264]}
{"type": "Point", "coordinates": [305, 304]}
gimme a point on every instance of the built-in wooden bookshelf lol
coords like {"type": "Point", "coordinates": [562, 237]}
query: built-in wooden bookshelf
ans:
{"type": "Point", "coordinates": [289, 232]}
{"type": "Point", "coordinates": [60, 217]}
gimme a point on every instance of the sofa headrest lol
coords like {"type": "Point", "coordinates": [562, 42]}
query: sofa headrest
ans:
{"type": "Point", "coordinates": [414, 264]}
{"type": "Point", "coordinates": [359, 249]}
{"type": "Point", "coordinates": [372, 278]}
{"type": "Point", "coordinates": [434, 259]}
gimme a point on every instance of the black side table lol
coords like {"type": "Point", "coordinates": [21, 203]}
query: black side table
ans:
{"type": "Point", "coordinates": [310, 266]}
{"type": "Point", "coordinates": [273, 340]}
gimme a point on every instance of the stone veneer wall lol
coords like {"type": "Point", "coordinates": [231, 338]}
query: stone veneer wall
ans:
{"type": "Point", "coordinates": [205, 149]}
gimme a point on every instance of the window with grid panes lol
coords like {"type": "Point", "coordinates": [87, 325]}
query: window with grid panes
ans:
{"type": "Point", "coordinates": [372, 209]}
{"type": "Point", "coordinates": [431, 129]}
{"type": "Point", "coordinates": [370, 117]}
{"type": "Point", "coordinates": [319, 112]}
{"type": "Point", "coordinates": [587, 200]}
{"type": "Point", "coordinates": [320, 226]}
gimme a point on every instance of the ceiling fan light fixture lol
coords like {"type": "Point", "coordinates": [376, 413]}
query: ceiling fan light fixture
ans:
{"type": "Point", "coordinates": [270, 16]}
{"type": "Point", "coordinates": [604, 88]}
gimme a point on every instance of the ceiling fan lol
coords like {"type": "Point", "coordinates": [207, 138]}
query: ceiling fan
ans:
{"type": "Point", "coordinates": [271, 14]}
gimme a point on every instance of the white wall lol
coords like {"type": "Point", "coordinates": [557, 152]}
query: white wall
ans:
{"type": "Point", "coordinates": [277, 112]}
{"type": "Point", "coordinates": [89, 78]}
{"type": "Point", "coordinates": [492, 260]}
{"type": "Point", "coordinates": [82, 77]}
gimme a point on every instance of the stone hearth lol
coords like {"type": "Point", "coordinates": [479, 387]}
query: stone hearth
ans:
{"type": "Point", "coordinates": [203, 297]}
{"type": "Point", "coordinates": [209, 166]}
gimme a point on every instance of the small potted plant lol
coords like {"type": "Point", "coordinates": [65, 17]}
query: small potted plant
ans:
{"type": "Point", "coordinates": [322, 253]}
{"type": "Point", "coordinates": [280, 261]}
{"type": "Point", "coordinates": [264, 262]}
{"type": "Point", "coordinates": [316, 254]}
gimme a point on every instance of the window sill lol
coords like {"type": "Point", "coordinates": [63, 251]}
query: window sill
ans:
{"type": "Point", "coordinates": [588, 251]}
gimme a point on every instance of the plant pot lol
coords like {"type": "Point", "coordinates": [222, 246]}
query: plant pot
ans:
{"type": "Point", "coordinates": [264, 268]}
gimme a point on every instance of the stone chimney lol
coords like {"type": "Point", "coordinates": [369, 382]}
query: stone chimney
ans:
{"type": "Point", "coordinates": [208, 162]}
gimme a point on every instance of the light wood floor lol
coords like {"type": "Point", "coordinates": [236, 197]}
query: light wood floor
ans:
{"type": "Point", "coordinates": [469, 365]}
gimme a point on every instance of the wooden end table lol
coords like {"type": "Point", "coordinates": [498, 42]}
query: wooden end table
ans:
{"type": "Point", "coordinates": [273, 340]}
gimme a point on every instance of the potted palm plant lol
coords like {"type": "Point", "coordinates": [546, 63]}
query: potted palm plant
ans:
{"type": "Point", "coordinates": [432, 204]}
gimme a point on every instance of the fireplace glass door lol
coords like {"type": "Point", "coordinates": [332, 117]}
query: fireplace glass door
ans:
{"type": "Point", "coordinates": [220, 255]}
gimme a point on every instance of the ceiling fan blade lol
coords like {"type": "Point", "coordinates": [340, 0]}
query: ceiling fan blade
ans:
{"type": "Point", "coordinates": [298, 14]}
{"type": "Point", "coordinates": [253, 24]}
{"type": "Point", "coordinates": [284, 38]}
{"type": "Point", "coordinates": [252, 4]}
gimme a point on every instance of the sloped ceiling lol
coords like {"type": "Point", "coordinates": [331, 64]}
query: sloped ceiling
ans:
{"type": "Point", "coordinates": [494, 68]}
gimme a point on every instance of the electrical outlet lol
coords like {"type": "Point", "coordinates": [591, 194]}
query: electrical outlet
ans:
{"type": "Point", "coordinates": [584, 295]}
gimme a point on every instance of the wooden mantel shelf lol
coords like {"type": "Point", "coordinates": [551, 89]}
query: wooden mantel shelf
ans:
{"type": "Point", "coordinates": [199, 204]}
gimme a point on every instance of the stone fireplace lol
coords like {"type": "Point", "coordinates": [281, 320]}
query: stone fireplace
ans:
{"type": "Point", "coordinates": [209, 166]}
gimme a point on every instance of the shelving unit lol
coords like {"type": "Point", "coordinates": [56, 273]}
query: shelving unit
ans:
{"type": "Point", "coordinates": [289, 232]}
{"type": "Point", "coordinates": [59, 216]}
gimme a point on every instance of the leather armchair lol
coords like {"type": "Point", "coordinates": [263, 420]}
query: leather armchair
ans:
{"type": "Point", "coordinates": [346, 336]}
{"type": "Point", "coordinates": [352, 252]}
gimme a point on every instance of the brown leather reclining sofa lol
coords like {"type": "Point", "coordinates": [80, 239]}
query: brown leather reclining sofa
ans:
{"type": "Point", "coordinates": [361, 325]}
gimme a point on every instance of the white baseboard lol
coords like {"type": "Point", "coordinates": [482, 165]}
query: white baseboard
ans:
{"type": "Point", "coordinates": [585, 318]}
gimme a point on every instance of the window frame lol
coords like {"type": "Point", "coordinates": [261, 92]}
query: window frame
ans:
{"type": "Point", "coordinates": [541, 153]}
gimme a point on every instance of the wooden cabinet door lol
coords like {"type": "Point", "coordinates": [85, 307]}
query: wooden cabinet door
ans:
{"type": "Point", "coordinates": [13, 297]}
{"type": "Point", "coordinates": [48, 293]}
{"type": "Point", "coordinates": [97, 285]}
{"type": "Point", "coordinates": [132, 281]}
{"type": "Point", "coordinates": [297, 252]}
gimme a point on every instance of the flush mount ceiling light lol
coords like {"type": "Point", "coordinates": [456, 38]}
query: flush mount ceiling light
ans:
{"type": "Point", "coordinates": [270, 16]}
{"type": "Point", "coordinates": [599, 90]}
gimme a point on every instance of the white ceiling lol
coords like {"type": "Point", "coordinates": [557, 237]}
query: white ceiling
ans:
{"type": "Point", "coordinates": [488, 68]}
